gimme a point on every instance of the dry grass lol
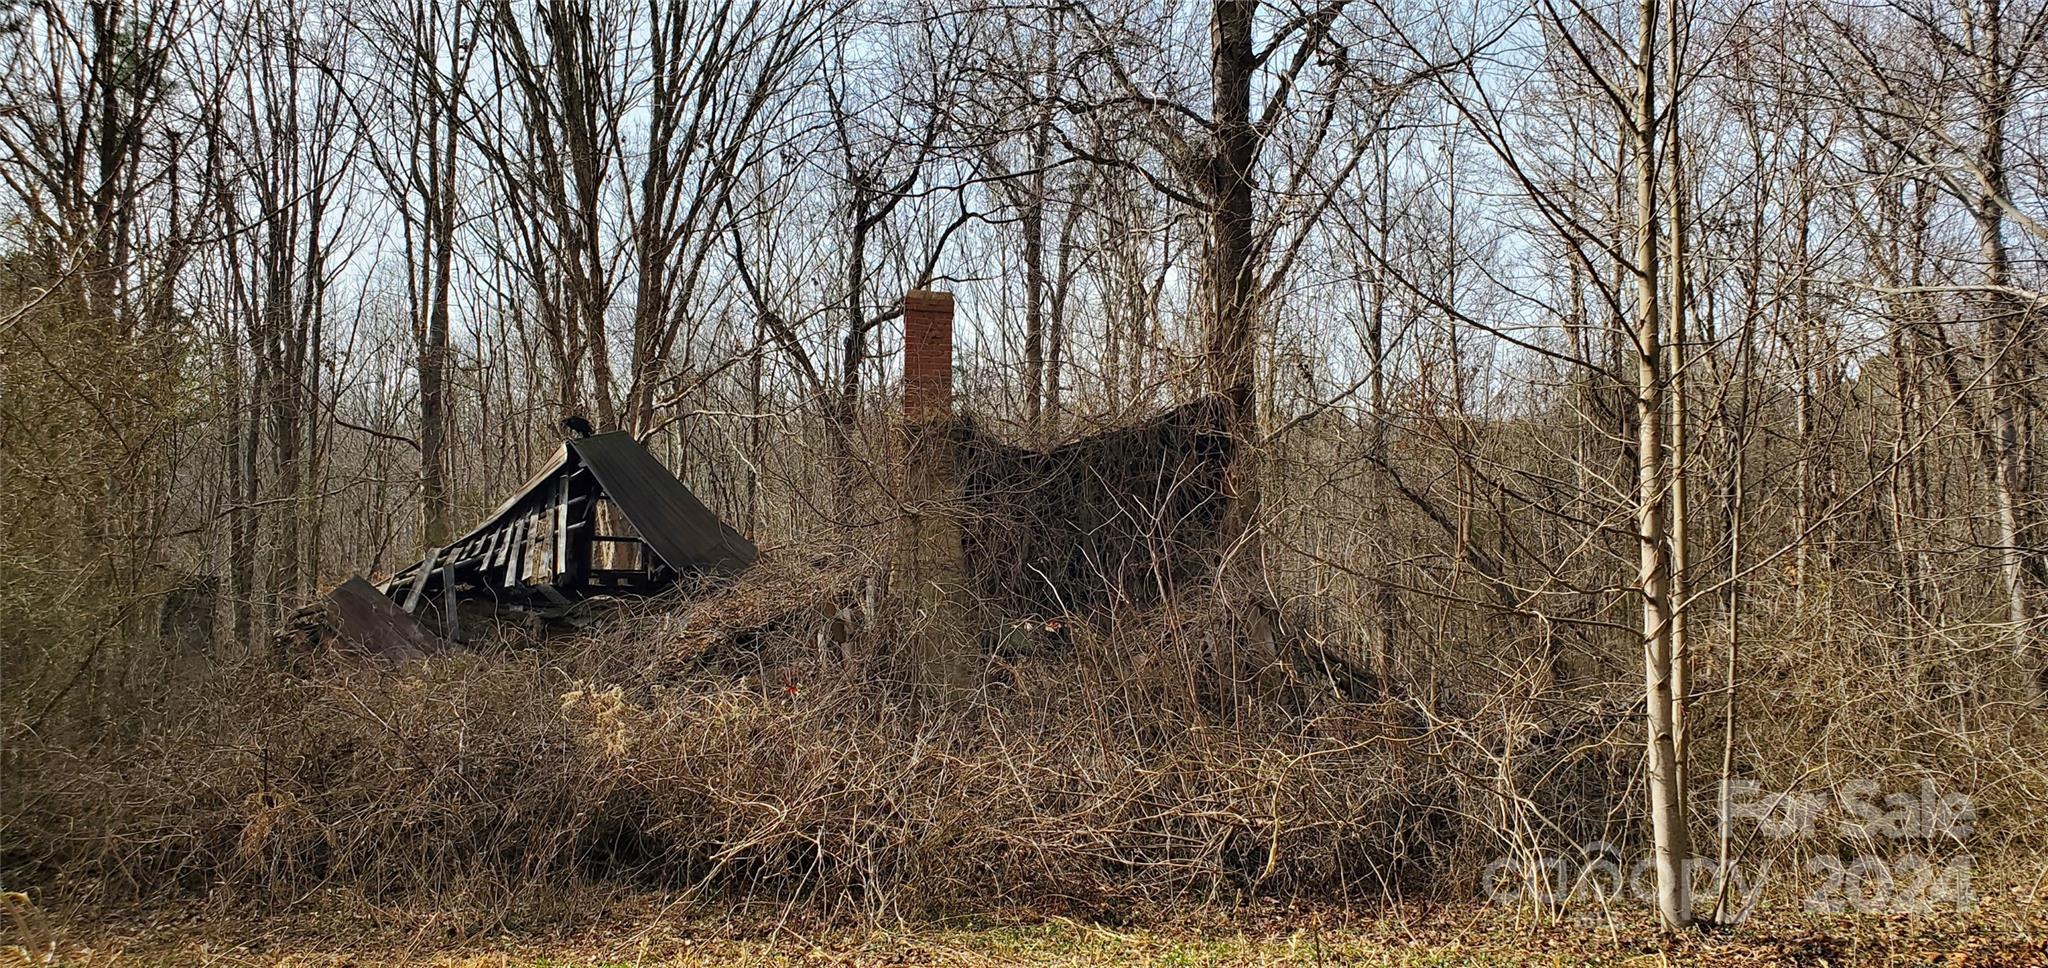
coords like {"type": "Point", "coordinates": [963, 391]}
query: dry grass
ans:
{"type": "Point", "coordinates": [717, 749]}
{"type": "Point", "coordinates": [609, 927]}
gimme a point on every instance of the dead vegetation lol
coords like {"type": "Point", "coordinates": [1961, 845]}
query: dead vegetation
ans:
{"type": "Point", "coordinates": [609, 926]}
{"type": "Point", "coordinates": [749, 744]}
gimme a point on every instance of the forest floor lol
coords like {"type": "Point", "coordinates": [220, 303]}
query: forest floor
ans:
{"type": "Point", "coordinates": [2006, 929]}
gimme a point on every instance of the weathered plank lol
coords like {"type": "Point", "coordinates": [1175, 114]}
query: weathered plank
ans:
{"type": "Point", "coordinates": [515, 557]}
{"type": "Point", "coordinates": [449, 617]}
{"type": "Point", "coordinates": [419, 581]}
{"type": "Point", "coordinates": [561, 529]}
{"type": "Point", "coordinates": [541, 539]}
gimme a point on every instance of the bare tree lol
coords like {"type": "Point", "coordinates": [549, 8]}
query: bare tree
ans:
{"type": "Point", "coordinates": [425, 55]}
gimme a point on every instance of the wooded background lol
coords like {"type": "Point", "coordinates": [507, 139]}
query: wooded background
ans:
{"type": "Point", "coordinates": [1547, 330]}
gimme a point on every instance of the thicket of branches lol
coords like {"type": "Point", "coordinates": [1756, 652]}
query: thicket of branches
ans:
{"type": "Point", "coordinates": [1547, 334]}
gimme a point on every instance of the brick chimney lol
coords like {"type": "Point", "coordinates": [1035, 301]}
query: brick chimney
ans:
{"type": "Point", "coordinates": [927, 355]}
{"type": "Point", "coordinates": [930, 564]}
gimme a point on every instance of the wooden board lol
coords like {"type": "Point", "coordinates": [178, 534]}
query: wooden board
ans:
{"type": "Point", "coordinates": [419, 582]}
{"type": "Point", "coordinates": [561, 523]}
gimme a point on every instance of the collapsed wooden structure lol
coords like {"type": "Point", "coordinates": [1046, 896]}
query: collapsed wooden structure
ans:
{"type": "Point", "coordinates": [602, 517]}
{"type": "Point", "coordinates": [992, 533]}
{"type": "Point", "coordinates": [1114, 518]}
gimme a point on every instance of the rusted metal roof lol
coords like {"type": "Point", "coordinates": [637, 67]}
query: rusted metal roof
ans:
{"type": "Point", "coordinates": [685, 533]}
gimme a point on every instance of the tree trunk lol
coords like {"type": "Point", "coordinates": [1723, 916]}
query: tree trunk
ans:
{"type": "Point", "coordinates": [1671, 841]}
{"type": "Point", "coordinates": [1031, 221]}
{"type": "Point", "coordinates": [2004, 366]}
{"type": "Point", "coordinates": [1680, 450]}
{"type": "Point", "coordinates": [436, 503]}
{"type": "Point", "coordinates": [1228, 273]}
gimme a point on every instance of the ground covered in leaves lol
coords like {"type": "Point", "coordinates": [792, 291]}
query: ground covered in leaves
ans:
{"type": "Point", "coordinates": [2008, 928]}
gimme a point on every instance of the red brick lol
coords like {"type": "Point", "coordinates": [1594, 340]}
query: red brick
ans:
{"type": "Point", "coordinates": [927, 353]}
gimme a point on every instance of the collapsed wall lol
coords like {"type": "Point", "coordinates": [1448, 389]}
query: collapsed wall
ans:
{"type": "Point", "coordinates": [1116, 518]}
{"type": "Point", "coordinates": [1109, 519]}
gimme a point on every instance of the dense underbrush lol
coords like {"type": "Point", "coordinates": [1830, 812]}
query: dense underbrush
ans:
{"type": "Point", "coordinates": [1167, 758]}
